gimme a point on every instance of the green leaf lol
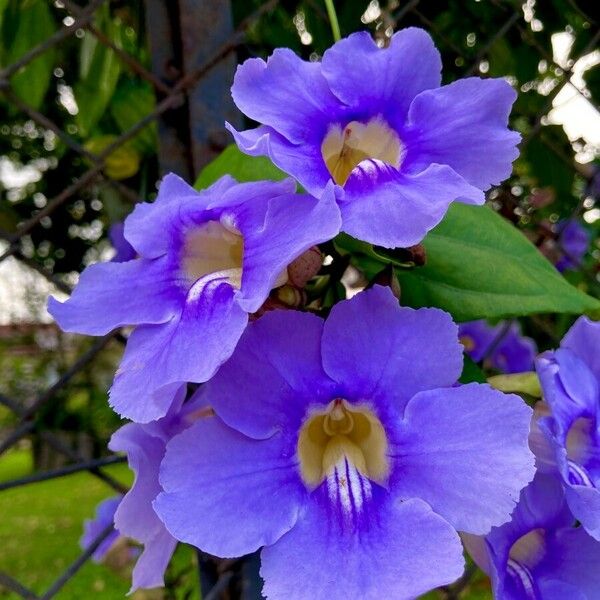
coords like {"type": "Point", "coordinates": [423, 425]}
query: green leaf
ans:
{"type": "Point", "coordinates": [99, 70]}
{"type": "Point", "coordinates": [33, 23]}
{"type": "Point", "coordinates": [240, 166]}
{"type": "Point", "coordinates": [471, 372]}
{"type": "Point", "coordinates": [133, 101]}
{"type": "Point", "coordinates": [479, 265]}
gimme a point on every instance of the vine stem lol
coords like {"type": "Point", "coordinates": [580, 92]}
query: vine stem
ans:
{"type": "Point", "coordinates": [333, 20]}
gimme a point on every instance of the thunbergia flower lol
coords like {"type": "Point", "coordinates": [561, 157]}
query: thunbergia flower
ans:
{"type": "Point", "coordinates": [124, 250]}
{"type": "Point", "coordinates": [93, 528]}
{"type": "Point", "coordinates": [566, 435]}
{"type": "Point", "coordinates": [345, 450]}
{"type": "Point", "coordinates": [207, 260]}
{"type": "Point", "coordinates": [506, 349]}
{"type": "Point", "coordinates": [144, 445]}
{"type": "Point", "coordinates": [539, 554]}
{"type": "Point", "coordinates": [573, 242]}
{"type": "Point", "coordinates": [376, 122]}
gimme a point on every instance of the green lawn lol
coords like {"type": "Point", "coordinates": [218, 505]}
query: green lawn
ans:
{"type": "Point", "coordinates": [40, 529]}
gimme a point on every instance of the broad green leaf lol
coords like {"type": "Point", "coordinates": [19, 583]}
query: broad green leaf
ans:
{"type": "Point", "coordinates": [99, 73]}
{"type": "Point", "coordinates": [479, 265]}
{"type": "Point", "coordinates": [240, 166]}
{"type": "Point", "coordinates": [33, 23]}
{"type": "Point", "coordinates": [133, 101]}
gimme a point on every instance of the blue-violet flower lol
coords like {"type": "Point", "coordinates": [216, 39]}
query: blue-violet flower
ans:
{"type": "Point", "coordinates": [376, 122]}
{"type": "Point", "coordinates": [345, 450]}
{"type": "Point", "coordinates": [539, 554]}
{"type": "Point", "coordinates": [144, 445]}
{"type": "Point", "coordinates": [206, 260]}
{"type": "Point", "coordinates": [506, 349]}
{"type": "Point", "coordinates": [566, 432]}
{"type": "Point", "coordinates": [93, 528]}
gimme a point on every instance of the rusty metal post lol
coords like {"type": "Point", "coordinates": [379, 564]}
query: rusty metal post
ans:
{"type": "Point", "coordinates": [184, 35]}
{"type": "Point", "coordinates": [205, 26]}
{"type": "Point", "coordinates": [162, 25]}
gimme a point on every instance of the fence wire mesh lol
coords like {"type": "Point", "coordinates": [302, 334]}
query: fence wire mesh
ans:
{"type": "Point", "coordinates": [182, 55]}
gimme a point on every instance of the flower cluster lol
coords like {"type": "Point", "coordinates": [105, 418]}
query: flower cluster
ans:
{"type": "Point", "coordinates": [550, 548]}
{"type": "Point", "coordinates": [502, 346]}
{"type": "Point", "coordinates": [340, 442]}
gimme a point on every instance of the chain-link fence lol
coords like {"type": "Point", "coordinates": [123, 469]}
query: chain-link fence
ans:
{"type": "Point", "coordinates": [151, 95]}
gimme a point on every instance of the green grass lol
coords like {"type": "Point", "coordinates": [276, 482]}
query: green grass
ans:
{"type": "Point", "coordinates": [15, 464]}
{"type": "Point", "coordinates": [40, 529]}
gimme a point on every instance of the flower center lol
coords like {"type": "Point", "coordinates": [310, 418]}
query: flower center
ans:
{"type": "Point", "coordinates": [580, 440]}
{"type": "Point", "coordinates": [343, 149]}
{"type": "Point", "coordinates": [345, 445]}
{"type": "Point", "coordinates": [468, 342]}
{"type": "Point", "coordinates": [215, 248]}
{"type": "Point", "coordinates": [524, 554]}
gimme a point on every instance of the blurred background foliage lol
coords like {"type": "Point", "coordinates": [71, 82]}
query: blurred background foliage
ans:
{"type": "Point", "coordinates": [90, 96]}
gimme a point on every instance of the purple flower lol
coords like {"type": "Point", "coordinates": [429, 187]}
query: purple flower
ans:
{"type": "Point", "coordinates": [566, 437]}
{"type": "Point", "coordinates": [207, 260]}
{"type": "Point", "coordinates": [539, 554]}
{"type": "Point", "coordinates": [92, 528]}
{"type": "Point", "coordinates": [573, 242]}
{"type": "Point", "coordinates": [125, 251]}
{"type": "Point", "coordinates": [506, 349]}
{"type": "Point", "coordinates": [344, 450]}
{"type": "Point", "coordinates": [135, 517]}
{"type": "Point", "coordinates": [377, 123]}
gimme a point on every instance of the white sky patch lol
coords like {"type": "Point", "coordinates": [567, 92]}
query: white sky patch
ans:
{"type": "Point", "coordinates": [372, 13]}
{"type": "Point", "coordinates": [23, 293]}
{"type": "Point", "coordinates": [67, 99]}
{"type": "Point", "coordinates": [15, 176]}
{"type": "Point", "coordinates": [571, 109]}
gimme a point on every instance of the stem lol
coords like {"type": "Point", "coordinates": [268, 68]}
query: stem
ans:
{"type": "Point", "coordinates": [333, 20]}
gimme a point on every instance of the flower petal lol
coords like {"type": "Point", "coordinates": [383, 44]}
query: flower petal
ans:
{"type": "Point", "coordinates": [92, 528]}
{"type": "Point", "coordinates": [286, 93]}
{"type": "Point", "coordinates": [569, 387]}
{"type": "Point", "coordinates": [464, 125]}
{"type": "Point", "coordinates": [477, 337]}
{"type": "Point", "coordinates": [303, 161]}
{"type": "Point", "coordinates": [572, 557]}
{"type": "Point", "coordinates": [403, 551]}
{"type": "Point", "coordinates": [135, 517]}
{"type": "Point", "coordinates": [225, 493]}
{"type": "Point", "coordinates": [288, 226]}
{"type": "Point", "coordinates": [584, 340]}
{"type": "Point", "coordinates": [392, 209]}
{"type": "Point", "coordinates": [273, 376]}
{"type": "Point", "coordinates": [379, 351]}
{"type": "Point", "coordinates": [553, 589]}
{"type": "Point", "coordinates": [150, 567]}
{"type": "Point", "coordinates": [383, 80]}
{"type": "Point", "coordinates": [187, 348]}
{"type": "Point", "coordinates": [541, 506]}
{"type": "Point", "coordinates": [515, 353]}
{"type": "Point", "coordinates": [112, 294]}
{"type": "Point", "coordinates": [464, 451]}
{"type": "Point", "coordinates": [584, 503]}
{"type": "Point", "coordinates": [153, 229]}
